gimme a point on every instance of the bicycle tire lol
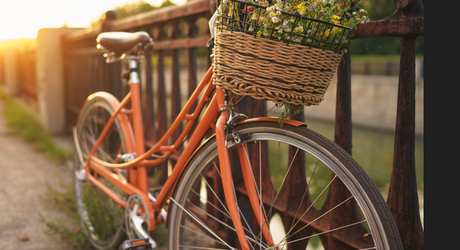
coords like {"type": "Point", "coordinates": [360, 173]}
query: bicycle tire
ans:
{"type": "Point", "coordinates": [198, 219]}
{"type": "Point", "coordinates": [100, 217]}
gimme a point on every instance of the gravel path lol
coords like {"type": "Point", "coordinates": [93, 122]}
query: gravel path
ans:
{"type": "Point", "coordinates": [23, 176]}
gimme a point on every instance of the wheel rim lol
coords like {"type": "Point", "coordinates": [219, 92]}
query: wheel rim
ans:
{"type": "Point", "coordinates": [299, 224]}
{"type": "Point", "coordinates": [101, 217]}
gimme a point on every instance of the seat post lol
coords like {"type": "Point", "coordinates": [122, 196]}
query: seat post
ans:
{"type": "Point", "coordinates": [133, 71]}
{"type": "Point", "coordinates": [134, 82]}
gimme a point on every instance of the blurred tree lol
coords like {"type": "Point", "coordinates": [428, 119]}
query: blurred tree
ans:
{"type": "Point", "coordinates": [166, 3]}
{"type": "Point", "coordinates": [130, 9]}
{"type": "Point", "coordinates": [377, 9]}
{"type": "Point", "coordinates": [380, 9]}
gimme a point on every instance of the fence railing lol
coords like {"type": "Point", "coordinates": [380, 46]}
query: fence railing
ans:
{"type": "Point", "coordinates": [179, 30]}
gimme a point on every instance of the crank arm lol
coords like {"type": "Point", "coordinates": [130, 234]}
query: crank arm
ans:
{"type": "Point", "coordinates": [138, 229]}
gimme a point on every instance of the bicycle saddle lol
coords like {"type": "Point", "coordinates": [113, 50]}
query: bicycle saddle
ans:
{"type": "Point", "coordinates": [120, 42]}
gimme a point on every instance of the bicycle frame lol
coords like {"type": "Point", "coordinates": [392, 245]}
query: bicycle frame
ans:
{"type": "Point", "coordinates": [134, 143]}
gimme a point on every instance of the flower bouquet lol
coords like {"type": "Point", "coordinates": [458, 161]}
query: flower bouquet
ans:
{"type": "Point", "coordinates": [285, 51]}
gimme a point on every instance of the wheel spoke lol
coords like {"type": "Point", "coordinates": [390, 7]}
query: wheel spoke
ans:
{"type": "Point", "coordinates": [305, 193]}
{"type": "Point", "coordinates": [325, 232]}
{"type": "Point", "coordinates": [308, 209]}
{"type": "Point", "coordinates": [201, 223]}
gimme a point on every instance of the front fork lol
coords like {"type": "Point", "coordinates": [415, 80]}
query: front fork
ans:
{"type": "Point", "coordinates": [226, 172]}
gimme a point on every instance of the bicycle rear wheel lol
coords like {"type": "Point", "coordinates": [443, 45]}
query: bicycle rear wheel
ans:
{"type": "Point", "coordinates": [100, 216]}
{"type": "Point", "coordinates": [312, 193]}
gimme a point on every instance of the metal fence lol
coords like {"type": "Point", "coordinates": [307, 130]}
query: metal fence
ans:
{"type": "Point", "coordinates": [177, 30]}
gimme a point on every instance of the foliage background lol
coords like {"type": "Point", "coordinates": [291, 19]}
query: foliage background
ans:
{"type": "Point", "coordinates": [377, 9]}
{"type": "Point", "coordinates": [380, 9]}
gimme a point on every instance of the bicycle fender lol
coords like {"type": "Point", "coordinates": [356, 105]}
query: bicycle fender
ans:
{"type": "Point", "coordinates": [272, 119]}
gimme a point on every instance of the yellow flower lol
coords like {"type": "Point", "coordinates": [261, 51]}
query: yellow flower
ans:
{"type": "Point", "coordinates": [301, 8]}
{"type": "Point", "coordinates": [259, 33]}
{"type": "Point", "coordinates": [335, 19]}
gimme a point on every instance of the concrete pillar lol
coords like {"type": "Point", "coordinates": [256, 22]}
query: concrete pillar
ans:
{"type": "Point", "coordinates": [50, 79]}
{"type": "Point", "coordinates": [11, 85]}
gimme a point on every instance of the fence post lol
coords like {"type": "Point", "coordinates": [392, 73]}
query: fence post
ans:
{"type": "Point", "coordinates": [402, 197]}
{"type": "Point", "coordinates": [10, 78]}
{"type": "Point", "coordinates": [50, 79]}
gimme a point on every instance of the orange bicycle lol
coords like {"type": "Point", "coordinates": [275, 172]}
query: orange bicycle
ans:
{"type": "Point", "coordinates": [250, 201]}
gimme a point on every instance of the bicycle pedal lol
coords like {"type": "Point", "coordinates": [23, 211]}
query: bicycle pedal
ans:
{"type": "Point", "coordinates": [138, 244]}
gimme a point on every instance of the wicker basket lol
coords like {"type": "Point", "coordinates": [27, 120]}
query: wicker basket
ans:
{"type": "Point", "coordinates": [279, 71]}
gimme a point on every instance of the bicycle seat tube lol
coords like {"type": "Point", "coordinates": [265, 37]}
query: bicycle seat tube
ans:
{"type": "Point", "coordinates": [134, 81]}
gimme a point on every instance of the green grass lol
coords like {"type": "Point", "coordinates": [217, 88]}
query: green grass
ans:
{"type": "Point", "coordinates": [24, 124]}
{"type": "Point", "coordinates": [65, 200]}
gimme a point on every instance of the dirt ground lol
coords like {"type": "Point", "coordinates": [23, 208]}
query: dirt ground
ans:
{"type": "Point", "coordinates": [23, 177]}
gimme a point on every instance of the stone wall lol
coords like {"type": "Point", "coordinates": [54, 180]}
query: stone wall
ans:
{"type": "Point", "coordinates": [374, 102]}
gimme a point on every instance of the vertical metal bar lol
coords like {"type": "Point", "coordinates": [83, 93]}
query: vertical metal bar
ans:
{"type": "Point", "coordinates": [192, 60]}
{"type": "Point", "coordinates": [161, 103]}
{"type": "Point", "coordinates": [175, 95]}
{"type": "Point", "coordinates": [296, 185]}
{"type": "Point", "coordinates": [402, 197]}
{"type": "Point", "coordinates": [148, 106]}
{"type": "Point", "coordinates": [342, 137]}
{"type": "Point", "coordinates": [342, 131]}
{"type": "Point", "coordinates": [114, 80]}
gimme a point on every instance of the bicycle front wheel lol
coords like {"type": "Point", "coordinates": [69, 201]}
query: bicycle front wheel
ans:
{"type": "Point", "coordinates": [100, 217]}
{"type": "Point", "coordinates": [311, 192]}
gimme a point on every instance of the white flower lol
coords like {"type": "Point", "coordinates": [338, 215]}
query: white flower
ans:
{"type": "Point", "coordinates": [278, 13]}
{"type": "Point", "coordinates": [301, 12]}
{"type": "Point", "coordinates": [275, 19]}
